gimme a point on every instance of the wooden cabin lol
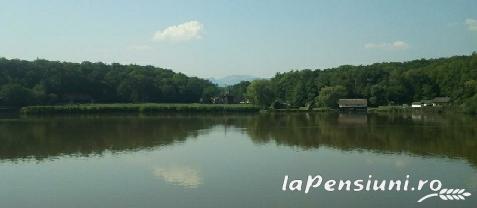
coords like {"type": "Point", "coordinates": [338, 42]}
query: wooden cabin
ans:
{"type": "Point", "coordinates": [353, 104]}
{"type": "Point", "coordinates": [437, 101]}
{"type": "Point", "coordinates": [440, 101]}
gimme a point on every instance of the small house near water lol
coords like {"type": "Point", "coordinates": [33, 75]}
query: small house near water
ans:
{"type": "Point", "coordinates": [440, 101]}
{"type": "Point", "coordinates": [353, 104]}
{"type": "Point", "coordinates": [437, 101]}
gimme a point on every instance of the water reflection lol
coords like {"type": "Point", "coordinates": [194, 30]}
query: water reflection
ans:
{"type": "Point", "coordinates": [184, 176]}
{"type": "Point", "coordinates": [424, 135]}
{"type": "Point", "coordinates": [453, 137]}
{"type": "Point", "coordinates": [41, 138]}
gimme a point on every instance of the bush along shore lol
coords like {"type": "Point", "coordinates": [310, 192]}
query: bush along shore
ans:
{"type": "Point", "coordinates": [137, 108]}
{"type": "Point", "coordinates": [146, 108]}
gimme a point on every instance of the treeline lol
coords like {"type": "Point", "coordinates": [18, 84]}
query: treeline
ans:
{"type": "Point", "coordinates": [42, 82]}
{"type": "Point", "coordinates": [50, 82]}
{"type": "Point", "coordinates": [382, 84]}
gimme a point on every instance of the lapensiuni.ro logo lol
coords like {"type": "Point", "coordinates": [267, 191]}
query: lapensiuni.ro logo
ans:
{"type": "Point", "coordinates": [433, 187]}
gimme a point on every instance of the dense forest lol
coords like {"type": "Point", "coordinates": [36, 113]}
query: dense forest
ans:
{"type": "Point", "coordinates": [43, 82]}
{"type": "Point", "coordinates": [392, 83]}
{"type": "Point", "coordinates": [50, 82]}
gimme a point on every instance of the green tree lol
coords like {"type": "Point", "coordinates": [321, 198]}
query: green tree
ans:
{"type": "Point", "coordinates": [261, 92]}
{"type": "Point", "coordinates": [470, 105]}
{"type": "Point", "coordinates": [16, 95]}
{"type": "Point", "coordinates": [329, 96]}
{"type": "Point", "coordinates": [239, 90]}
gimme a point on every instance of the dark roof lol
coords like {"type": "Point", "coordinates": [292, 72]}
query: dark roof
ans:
{"type": "Point", "coordinates": [441, 99]}
{"type": "Point", "coordinates": [353, 102]}
{"type": "Point", "coordinates": [426, 101]}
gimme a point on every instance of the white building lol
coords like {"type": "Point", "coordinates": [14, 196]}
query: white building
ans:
{"type": "Point", "coordinates": [416, 104]}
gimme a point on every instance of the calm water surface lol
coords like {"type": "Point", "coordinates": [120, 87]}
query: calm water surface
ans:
{"type": "Point", "coordinates": [230, 160]}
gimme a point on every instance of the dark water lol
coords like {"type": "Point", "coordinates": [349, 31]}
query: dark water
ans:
{"type": "Point", "coordinates": [231, 161]}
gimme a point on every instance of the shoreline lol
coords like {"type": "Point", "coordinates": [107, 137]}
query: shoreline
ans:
{"type": "Point", "coordinates": [150, 108]}
{"type": "Point", "coordinates": [138, 108]}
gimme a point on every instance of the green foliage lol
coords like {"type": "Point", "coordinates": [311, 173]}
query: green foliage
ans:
{"type": "Point", "coordinates": [470, 105]}
{"type": "Point", "coordinates": [50, 82]}
{"type": "Point", "coordinates": [276, 105]}
{"type": "Point", "coordinates": [329, 96]}
{"type": "Point", "coordinates": [46, 82]}
{"type": "Point", "coordinates": [16, 95]}
{"type": "Point", "coordinates": [239, 90]}
{"type": "Point", "coordinates": [261, 92]}
{"type": "Point", "coordinates": [383, 83]}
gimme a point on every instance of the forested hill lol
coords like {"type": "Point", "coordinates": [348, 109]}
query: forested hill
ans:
{"type": "Point", "coordinates": [43, 82]}
{"type": "Point", "coordinates": [381, 84]}
{"type": "Point", "coordinates": [50, 82]}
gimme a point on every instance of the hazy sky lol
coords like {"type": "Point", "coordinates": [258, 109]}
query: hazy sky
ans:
{"type": "Point", "coordinates": [256, 37]}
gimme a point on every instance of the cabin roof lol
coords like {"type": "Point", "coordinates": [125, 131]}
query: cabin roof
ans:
{"type": "Point", "coordinates": [441, 99]}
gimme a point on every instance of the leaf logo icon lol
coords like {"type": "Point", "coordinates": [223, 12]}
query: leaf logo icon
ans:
{"type": "Point", "coordinates": [448, 194]}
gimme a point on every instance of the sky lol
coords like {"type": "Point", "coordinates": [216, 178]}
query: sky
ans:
{"type": "Point", "coordinates": [216, 38]}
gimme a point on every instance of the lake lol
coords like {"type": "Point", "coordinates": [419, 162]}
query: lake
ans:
{"type": "Point", "coordinates": [235, 160]}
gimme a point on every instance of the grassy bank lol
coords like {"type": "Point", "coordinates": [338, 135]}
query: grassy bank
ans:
{"type": "Point", "coordinates": [136, 108]}
{"type": "Point", "coordinates": [205, 108]}
{"type": "Point", "coordinates": [324, 109]}
{"type": "Point", "coordinates": [430, 109]}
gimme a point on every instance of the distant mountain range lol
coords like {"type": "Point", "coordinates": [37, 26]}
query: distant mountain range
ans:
{"type": "Point", "coordinates": [231, 80]}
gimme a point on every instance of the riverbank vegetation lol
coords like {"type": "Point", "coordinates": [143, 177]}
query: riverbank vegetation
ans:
{"type": "Point", "coordinates": [137, 108]}
{"type": "Point", "coordinates": [41, 82]}
{"type": "Point", "coordinates": [382, 84]}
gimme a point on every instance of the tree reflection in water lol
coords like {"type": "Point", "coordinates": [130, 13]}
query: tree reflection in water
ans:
{"type": "Point", "coordinates": [452, 136]}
